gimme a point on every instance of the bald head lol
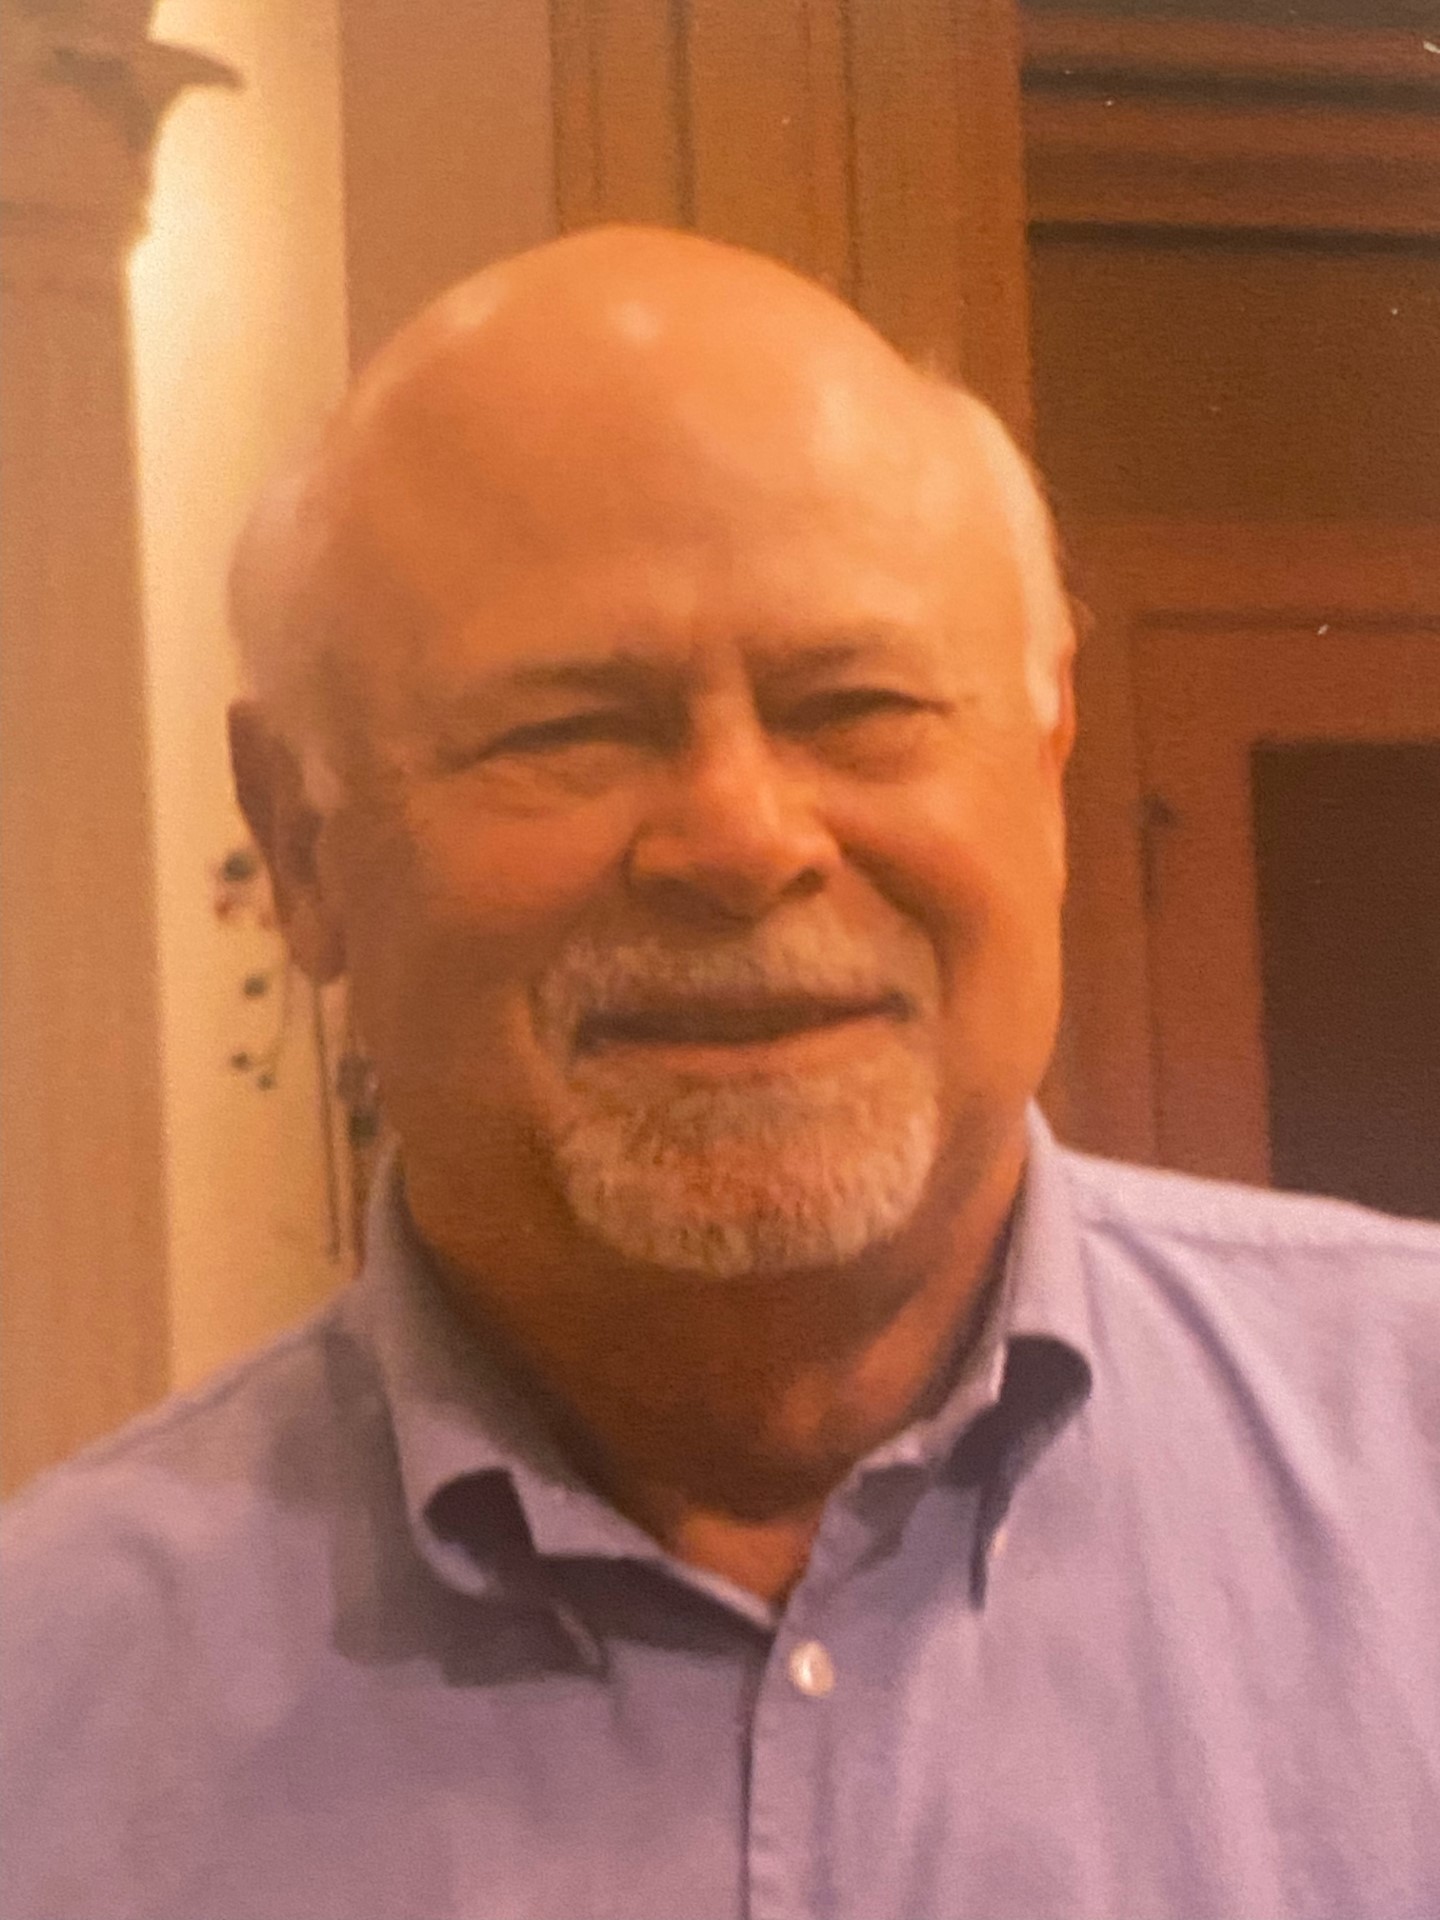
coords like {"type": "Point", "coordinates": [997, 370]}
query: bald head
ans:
{"type": "Point", "coordinates": [613, 386]}
{"type": "Point", "coordinates": [686, 665]}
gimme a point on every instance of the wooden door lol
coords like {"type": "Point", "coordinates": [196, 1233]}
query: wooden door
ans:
{"type": "Point", "coordinates": [1256, 810]}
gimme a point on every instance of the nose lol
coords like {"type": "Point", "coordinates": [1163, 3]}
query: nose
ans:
{"type": "Point", "coordinates": [732, 833]}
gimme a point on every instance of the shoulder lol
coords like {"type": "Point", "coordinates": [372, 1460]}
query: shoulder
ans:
{"type": "Point", "coordinates": [1286, 1291]}
{"type": "Point", "coordinates": [234, 1429]}
{"type": "Point", "coordinates": [169, 1595]}
{"type": "Point", "coordinates": [1218, 1226]}
{"type": "Point", "coordinates": [1224, 1215]}
{"type": "Point", "coordinates": [180, 1509]}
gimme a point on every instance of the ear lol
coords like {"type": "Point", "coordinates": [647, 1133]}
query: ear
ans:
{"type": "Point", "coordinates": [1062, 735]}
{"type": "Point", "coordinates": [1082, 625]}
{"type": "Point", "coordinates": [270, 786]}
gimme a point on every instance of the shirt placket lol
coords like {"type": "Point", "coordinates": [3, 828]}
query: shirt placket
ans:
{"type": "Point", "coordinates": [807, 1697]}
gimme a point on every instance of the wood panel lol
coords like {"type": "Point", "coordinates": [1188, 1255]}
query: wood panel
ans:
{"type": "Point", "coordinates": [621, 102]}
{"type": "Point", "coordinates": [1347, 881]}
{"type": "Point", "coordinates": [448, 155]}
{"type": "Point", "coordinates": [1290, 56]}
{"type": "Point", "coordinates": [938, 212]}
{"type": "Point", "coordinates": [1311, 15]}
{"type": "Point", "coordinates": [1199, 376]}
{"type": "Point", "coordinates": [1150, 124]}
{"type": "Point", "coordinates": [874, 144]}
{"type": "Point", "coordinates": [1308, 168]}
{"type": "Point", "coordinates": [769, 130]}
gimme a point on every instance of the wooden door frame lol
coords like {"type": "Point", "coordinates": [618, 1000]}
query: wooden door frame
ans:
{"type": "Point", "coordinates": [1130, 573]}
{"type": "Point", "coordinates": [1375, 681]}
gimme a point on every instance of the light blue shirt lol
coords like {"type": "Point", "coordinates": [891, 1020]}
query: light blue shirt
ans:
{"type": "Point", "coordinates": [1144, 1624]}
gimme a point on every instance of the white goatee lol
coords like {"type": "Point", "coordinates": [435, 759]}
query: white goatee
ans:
{"type": "Point", "coordinates": [767, 1174]}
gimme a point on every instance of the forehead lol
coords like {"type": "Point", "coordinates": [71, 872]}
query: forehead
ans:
{"type": "Point", "coordinates": [664, 532]}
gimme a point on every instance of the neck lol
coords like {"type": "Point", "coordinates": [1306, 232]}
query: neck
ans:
{"type": "Point", "coordinates": [720, 1415]}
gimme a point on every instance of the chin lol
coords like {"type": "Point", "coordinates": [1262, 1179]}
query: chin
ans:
{"type": "Point", "coordinates": [752, 1179]}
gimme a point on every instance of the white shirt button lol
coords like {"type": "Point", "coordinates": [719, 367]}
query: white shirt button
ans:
{"type": "Point", "coordinates": [812, 1669]}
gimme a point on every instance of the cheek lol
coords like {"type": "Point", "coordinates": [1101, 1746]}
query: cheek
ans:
{"type": "Point", "coordinates": [449, 915]}
{"type": "Point", "coordinates": [976, 859]}
{"type": "Point", "coordinates": [976, 862]}
{"type": "Point", "coordinates": [501, 879]}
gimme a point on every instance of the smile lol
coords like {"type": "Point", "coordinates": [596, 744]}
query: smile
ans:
{"type": "Point", "coordinates": [739, 1025]}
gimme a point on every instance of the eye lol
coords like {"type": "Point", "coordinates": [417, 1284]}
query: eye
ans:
{"type": "Point", "coordinates": [565, 730]}
{"type": "Point", "coordinates": [843, 706]}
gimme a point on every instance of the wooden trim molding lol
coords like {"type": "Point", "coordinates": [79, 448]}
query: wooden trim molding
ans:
{"type": "Point", "coordinates": [1211, 126]}
{"type": "Point", "coordinates": [1064, 46]}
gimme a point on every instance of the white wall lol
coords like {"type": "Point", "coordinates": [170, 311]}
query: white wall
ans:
{"type": "Point", "coordinates": [240, 349]}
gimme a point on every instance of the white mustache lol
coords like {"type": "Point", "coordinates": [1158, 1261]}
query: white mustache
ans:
{"type": "Point", "coordinates": [810, 961]}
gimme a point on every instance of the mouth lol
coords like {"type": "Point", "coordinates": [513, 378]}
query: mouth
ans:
{"type": "Point", "coordinates": [737, 1027]}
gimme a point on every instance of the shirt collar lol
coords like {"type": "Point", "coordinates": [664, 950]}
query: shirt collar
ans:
{"type": "Point", "coordinates": [1029, 1371]}
{"type": "Point", "coordinates": [457, 1418]}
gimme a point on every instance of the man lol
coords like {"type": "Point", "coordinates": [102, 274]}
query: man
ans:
{"type": "Point", "coordinates": [757, 1471]}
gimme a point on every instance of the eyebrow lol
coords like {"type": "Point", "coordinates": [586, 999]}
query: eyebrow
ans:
{"type": "Point", "coordinates": [825, 656]}
{"type": "Point", "coordinates": [631, 670]}
{"type": "Point", "coordinates": [626, 665]}
{"type": "Point", "coordinates": [616, 675]}
{"type": "Point", "coordinates": [617, 672]}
